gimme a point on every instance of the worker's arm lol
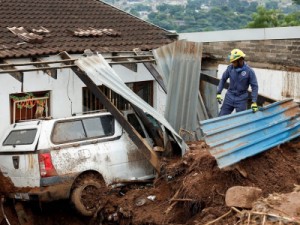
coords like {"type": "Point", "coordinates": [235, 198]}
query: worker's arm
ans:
{"type": "Point", "coordinates": [254, 86]}
{"type": "Point", "coordinates": [223, 80]}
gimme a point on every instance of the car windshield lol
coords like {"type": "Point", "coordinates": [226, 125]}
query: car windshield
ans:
{"type": "Point", "coordinates": [20, 137]}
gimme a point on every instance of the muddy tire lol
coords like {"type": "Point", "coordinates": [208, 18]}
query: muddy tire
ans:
{"type": "Point", "coordinates": [88, 196]}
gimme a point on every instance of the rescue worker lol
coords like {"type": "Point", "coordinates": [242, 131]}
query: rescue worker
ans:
{"type": "Point", "coordinates": [241, 76]}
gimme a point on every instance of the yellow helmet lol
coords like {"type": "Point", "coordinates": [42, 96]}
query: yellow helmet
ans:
{"type": "Point", "coordinates": [236, 54]}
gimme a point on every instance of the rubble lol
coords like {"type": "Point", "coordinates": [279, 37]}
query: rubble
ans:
{"type": "Point", "coordinates": [191, 190]}
{"type": "Point", "coordinates": [242, 197]}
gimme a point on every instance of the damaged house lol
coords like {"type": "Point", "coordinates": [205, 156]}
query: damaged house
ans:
{"type": "Point", "coordinates": [36, 80]}
{"type": "Point", "coordinates": [58, 59]}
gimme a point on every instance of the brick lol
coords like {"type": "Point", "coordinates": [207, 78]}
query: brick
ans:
{"type": "Point", "coordinates": [296, 53]}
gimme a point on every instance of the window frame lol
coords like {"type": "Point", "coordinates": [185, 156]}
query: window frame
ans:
{"type": "Point", "coordinates": [36, 130]}
{"type": "Point", "coordinates": [17, 114]}
{"type": "Point", "coordinates": [91, 104]}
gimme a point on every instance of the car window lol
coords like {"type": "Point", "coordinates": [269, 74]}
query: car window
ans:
{"type": "Point", "coordinates": [20, 137]}
{"type": "Point", "coordinates": [132, 119]}
{"type": "Point", "coordinates": [153, 120]}
{"type": "Point", "coordinates": [68, 131]}
{"type": "Point", "coordinates": [82, 129]}
{"type": "Point", "coordinates": [99, 126]}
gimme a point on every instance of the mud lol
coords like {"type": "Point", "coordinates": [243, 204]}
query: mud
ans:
{"type": "Point", "coordinates": [7, 186]}
{"type": "Point", "coordinates": [190, 190]}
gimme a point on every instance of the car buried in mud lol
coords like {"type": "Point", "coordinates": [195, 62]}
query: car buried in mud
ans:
{"type": "Point", "coordinates": [73, 158]}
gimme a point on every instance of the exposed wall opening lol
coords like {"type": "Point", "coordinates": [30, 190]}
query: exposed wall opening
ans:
{"type": "Point", "coordinates": [29, 106]}
{"type": "Point", "coordinates": [143, 89]}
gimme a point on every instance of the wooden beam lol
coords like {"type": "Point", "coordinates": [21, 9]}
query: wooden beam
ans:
{"type": "Point", "coordinates": [142, 145]}
{"type": "Point", "coordinates": [131, 66]}
{"type": "Point", "coordinates": [68, 66]}
{"type": "Point", "coordinates": [156, 75]}
{"type": "Point", "coordinates": [15, 74]}
{"type": "Point", "coordinates": [151, 129]}
{"type": "Point", "coordinates": [51, 72]}
{"type": "Point", "coordinates": [152, 70]}
{"type": "Point", "coordinates": [72, 60]}
{"type": "Point", "coordinates": [34, 69]}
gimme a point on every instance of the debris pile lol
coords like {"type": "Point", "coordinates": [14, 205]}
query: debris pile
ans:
{"type": "Point", "coordinates": [192, 190]}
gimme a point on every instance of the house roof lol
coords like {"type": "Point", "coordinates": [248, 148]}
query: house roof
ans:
{"type": "Point", "coordinates": [42, 27]}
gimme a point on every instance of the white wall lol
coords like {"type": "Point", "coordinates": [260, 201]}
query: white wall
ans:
{"type": "Point", "coordinates": [65, 91]}
{"type": "Point", "coordinates": [243, 34]}
{"type": "Point", "coordinates": [160, 98]}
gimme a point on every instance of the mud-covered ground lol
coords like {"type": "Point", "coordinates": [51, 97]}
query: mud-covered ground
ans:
{"type": "Point", "coordinates": [191, 190]}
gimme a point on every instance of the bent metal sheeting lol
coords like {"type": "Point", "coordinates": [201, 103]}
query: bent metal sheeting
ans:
{"type": "Point", "coordinates": [238, 136]}
{"type": "Point", "coordinates": [180, 66]}
{"type": "Point", "coordinates": [100, 71]}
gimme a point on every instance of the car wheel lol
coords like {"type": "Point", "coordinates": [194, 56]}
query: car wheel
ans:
{"type": "Point", "coordinates": [88, 196]}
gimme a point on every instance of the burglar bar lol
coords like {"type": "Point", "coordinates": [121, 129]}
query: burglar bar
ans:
{"type": "Point", "coordinates": [28, 100]}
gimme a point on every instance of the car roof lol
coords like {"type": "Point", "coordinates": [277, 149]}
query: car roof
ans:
{"type": "Point", "coordinates": [33, 123]}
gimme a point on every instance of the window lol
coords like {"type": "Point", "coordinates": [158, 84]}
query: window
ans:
{"type": "Point", "coordinates": [143, 89]}
{"type": "Point", "coordinates": [68, 131]}
{"type": "Point", "coordinates": [20, 137]}
{"type": "Point", "coordinates": [99, 126]}
{"type": "Point", "coordinates": [85, 128]}
{"type": "Point", "coordinates": [133, 120]}
{"type": "Point", "coordinates": [28, 106]}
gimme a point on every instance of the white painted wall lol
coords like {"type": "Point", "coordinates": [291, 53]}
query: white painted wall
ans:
{"type": "Point", "coordinates": [66, 91]}
{"type": "Point", "coordinates": [160, 98]}
{"type": "Point", "coordinates": [243, 34]}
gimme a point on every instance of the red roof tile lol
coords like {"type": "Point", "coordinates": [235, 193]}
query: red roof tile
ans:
{"type": "Point", "coordinates": [62, 18]}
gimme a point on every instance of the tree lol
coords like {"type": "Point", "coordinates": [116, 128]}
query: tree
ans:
{"type": "Point", "coordinates": [273, 18]}
{"type": "Point", "coordinates": [292, 19]}
{"type": "Point", "coordinates": [252, 7]}
{"type": "Point", "coordinates": [264, 18]}
{"type": "Point", "coordinates": [134, 12]}
{"type": "Point", "coordinates": [272, 5]}
{"type": "Point", "coordinates": [297, 2]}
{"type": "Point", "coordinates": [141, 7]}
{"type": "Point", "coordinates": [162, 8]}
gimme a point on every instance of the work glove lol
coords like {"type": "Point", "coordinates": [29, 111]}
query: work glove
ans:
{"type": "Point", "coordinates": [254, 107]}
{"type": "Point", "coordinates": [219, 98]}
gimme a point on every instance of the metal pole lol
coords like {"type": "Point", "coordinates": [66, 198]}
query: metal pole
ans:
{"type": "Point", "coordinates": [69, 66]}
{"type": "Point", "coordinates": [71, 60]}
{"type": "Point", "coordinates": [2, 209]}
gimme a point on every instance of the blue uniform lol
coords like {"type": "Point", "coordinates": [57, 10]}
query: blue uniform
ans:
{"type": "Point", "coordinates": [237, 95]}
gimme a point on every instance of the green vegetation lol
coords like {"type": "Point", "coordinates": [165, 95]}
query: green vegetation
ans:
{"type": "Point", "coordinates": [211, 15]}
{"type": "Point", "coordinates": [273, 18]}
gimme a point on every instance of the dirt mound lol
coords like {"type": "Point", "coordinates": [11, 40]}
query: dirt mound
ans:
{"type": "Point", "coordinates": [190, 190]}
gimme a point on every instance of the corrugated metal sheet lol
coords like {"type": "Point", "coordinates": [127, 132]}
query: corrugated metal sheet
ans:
{"type": "Point", "coordinates": [237, 136]}
{"type": "Point", "coordinates": [180, 66]}
{"type": "Point", "coordinates": [100, 71]}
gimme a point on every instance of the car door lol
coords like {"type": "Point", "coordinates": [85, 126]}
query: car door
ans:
{"type": "Point", "coordinates": [18, 156]}
{"type": "Point", "coordinates": [129, 162]}
{"type": "Point", "coordinates": [84, 143]}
